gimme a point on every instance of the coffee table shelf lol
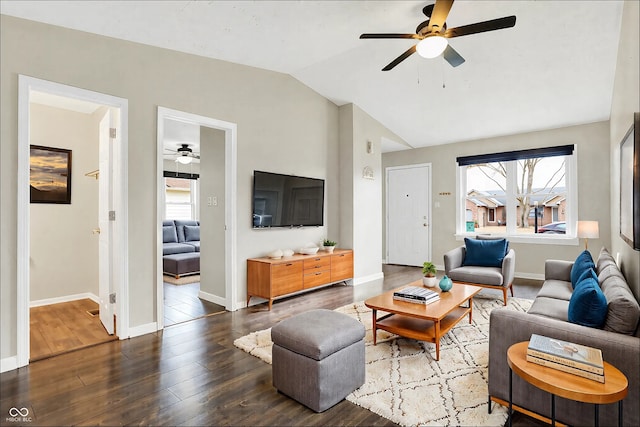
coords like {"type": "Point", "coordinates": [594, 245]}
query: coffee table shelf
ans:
{"type": "Point", "coordinates": [422, 322]}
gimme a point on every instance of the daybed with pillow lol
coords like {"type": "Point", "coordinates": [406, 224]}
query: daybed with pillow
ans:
{"type": "Point", "coordinates": [584, 302]}
{"type": "Point", "coordinates": [484, 261]}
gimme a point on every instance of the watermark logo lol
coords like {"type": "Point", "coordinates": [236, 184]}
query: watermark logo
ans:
{"type": "Point", "coordinates": [18, 415]}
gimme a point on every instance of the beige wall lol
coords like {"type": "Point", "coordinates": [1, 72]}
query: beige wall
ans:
{"type": "Point", "coordinates": [360, 198]}
{"type": "Point", "coordinates": [283, 126]}
{"type": "Point", "coordinates": [64, 252]}
{"type": "Point", "coordinates": [626, 101]}
{"type": "Point", "coordinates": [212, 220]}
{"type": "Point", "coordinates": [592, 143]}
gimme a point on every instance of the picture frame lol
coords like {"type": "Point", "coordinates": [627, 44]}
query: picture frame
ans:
{"type": "Point", "coordinates": [630, 185]}
{"type": "Point", "coordinates": [49, 174]}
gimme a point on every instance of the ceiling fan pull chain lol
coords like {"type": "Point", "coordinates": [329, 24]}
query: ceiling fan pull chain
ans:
{"type": "Point", "coordinates": [442, 69]}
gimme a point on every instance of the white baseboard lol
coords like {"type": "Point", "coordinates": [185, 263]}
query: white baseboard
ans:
{"type": "Point", "coordinates": [66, 298]}
{"type": "Point", "coordinates": [136, 331]}
{"type": "Point", "coordinates": [8, 364]}
{"type": "Point", "coordinates": [212, 298]}
{"type": "Point", "coordinates": [366, 279]}
{"type": "Point", "coordinates": [532, 276]}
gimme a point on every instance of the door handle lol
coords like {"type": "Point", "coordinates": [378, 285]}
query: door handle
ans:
{"type": "Point", "coordinates": [95, 231]}
{"type": "Point", "coordinates": [425, 224]}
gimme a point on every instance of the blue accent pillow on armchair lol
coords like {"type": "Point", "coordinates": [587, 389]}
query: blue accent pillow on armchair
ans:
{"type": "Point", "coordinates": [484, 253]}
{"type": "Point", "coordinates": [588, 305]}
{"type": "Point", "coordinates": [580, 265]}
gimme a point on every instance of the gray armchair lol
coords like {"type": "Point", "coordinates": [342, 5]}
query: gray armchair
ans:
{"type": "Point", "coordinates": [487, 277]}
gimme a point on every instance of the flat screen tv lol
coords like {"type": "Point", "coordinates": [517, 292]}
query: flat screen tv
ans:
{"type": "Point", "coordinates": [287, 200]}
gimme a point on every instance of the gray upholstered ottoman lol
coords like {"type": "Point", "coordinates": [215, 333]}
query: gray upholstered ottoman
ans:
{"type": "Point", "coordinates": [318, 357]}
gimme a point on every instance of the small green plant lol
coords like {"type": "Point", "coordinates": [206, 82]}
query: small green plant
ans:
{"type": "Point", "coordinates": [429, 269]}
{"type": "Point", "coordinates": [327, 242]}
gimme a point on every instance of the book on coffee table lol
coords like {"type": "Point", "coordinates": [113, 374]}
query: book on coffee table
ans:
{"type": "Point", "coordinates": [566, 353]}
{"type": "Point", "coordinates": [416, 294]}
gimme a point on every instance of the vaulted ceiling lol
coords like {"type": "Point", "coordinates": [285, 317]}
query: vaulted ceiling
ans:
{"type": "Point", "coordinates": [555, 68]}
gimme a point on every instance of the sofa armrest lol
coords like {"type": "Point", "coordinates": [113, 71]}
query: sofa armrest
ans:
{"type": "Point", "coordinates": [556, 269]}
{"type": "Point", "coordinates": [508, 327]}
{"type": "Point", "coordinates": [454, 258]}
{"type": "Point", "coordinates": [508, 267]}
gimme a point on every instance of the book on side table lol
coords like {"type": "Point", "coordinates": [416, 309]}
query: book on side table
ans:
{"type": "Point", "coordinates": [416, 294]}
{"type": "Point", "coordinates": [565, 356]}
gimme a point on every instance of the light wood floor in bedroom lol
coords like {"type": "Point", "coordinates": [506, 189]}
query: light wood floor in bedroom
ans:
{"type": "Point", "coordinates": [191, 373]}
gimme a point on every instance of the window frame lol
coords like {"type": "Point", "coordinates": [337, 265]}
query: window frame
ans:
{"type": "Point", "coordinates": [510, 231]}
{"type": "Point", "coordinates": [193, 198]}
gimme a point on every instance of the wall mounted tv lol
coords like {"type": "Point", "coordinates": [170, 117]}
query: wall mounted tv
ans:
{"type": "Point", "coordinates": [287, 200]}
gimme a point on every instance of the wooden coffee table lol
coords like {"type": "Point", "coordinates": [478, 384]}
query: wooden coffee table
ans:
{"type": "Point", "coordinates": [422, 322]}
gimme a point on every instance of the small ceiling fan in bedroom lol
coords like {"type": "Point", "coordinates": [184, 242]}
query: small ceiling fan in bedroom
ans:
{"type": "Point", "coordinates": [433, 34]}
{"type": "Point", "coordinates": [184, 154]}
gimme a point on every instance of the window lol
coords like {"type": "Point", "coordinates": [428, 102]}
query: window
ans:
{"type": "Point", "coordinates": [518, 194]}
{"type": "Point", "coordinates": [180, 198]}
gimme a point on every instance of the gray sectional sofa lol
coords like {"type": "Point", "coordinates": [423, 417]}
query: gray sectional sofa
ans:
{"type": "Point", "coordinates": [180, 247]}
{"type": "Point", "coordinates": [619, 340]}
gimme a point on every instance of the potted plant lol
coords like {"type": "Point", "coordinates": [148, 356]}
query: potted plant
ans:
{"type": "Point", "coordinates": [328, 245]}
{"type": "Point", "coordinates": [429, 272]}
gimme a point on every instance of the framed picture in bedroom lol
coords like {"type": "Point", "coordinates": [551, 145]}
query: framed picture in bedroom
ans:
{"type": "Point", "coordinates": [630, 185]}
{"type": "Point", "coordinates": [50, 174]}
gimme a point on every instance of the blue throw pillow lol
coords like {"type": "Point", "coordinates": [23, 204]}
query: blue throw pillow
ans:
{"type": "Point", "coordinates": [588, 305]}
{"type": "Point", "coordinates": [580, 265]}
{"type": "Point", "coordinates": [484, 253]}
{"type": "Point", "coordinates": [191, 233]}
{"type": "Point", "coordinates": [169, 234]}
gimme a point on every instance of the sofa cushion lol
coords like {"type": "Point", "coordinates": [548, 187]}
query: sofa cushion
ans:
{"type": "Point", "coordinates": [604, 260]}
{"type": "Point", "coordinates": [176, 248]}
{"type": "Point", "coordinates": [180, 223]}
{"type": "Point", "coordinates": [550, 307]}
{"type": "Point", "coordinates": [169, 234]}
{"type": "Point", "coordinates": [484, 253]}
{"type": "Point", "coordinates": [588, 305]}
{"type": "Point", "coordinates": [558, 289]}
{"type": "Point", "coordinates": [623, 312]}
{"type": "Point", "coordinates": [583, 262]}
{"type": "Point", "coordinates": [192, 233]}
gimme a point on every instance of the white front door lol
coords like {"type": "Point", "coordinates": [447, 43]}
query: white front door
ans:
{"type": "Point", "coordinates": [409, 215]}
{"type": "Point", "coordinates": [105, 204]}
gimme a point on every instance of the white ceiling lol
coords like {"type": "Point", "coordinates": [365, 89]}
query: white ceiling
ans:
{"type": "Point", "coordinates": [555, 68]}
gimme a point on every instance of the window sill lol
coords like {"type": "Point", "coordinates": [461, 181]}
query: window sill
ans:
{"type": "Point", "coordinates": [557, 239]}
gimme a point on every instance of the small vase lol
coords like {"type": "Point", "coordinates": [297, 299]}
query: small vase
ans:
{"type": "Point", "coordinates": [446, 284]}
{"type": "Point", "coordinates": [329, 248]}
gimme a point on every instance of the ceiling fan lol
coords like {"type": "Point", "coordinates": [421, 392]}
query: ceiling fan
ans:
{"type": "Point", "coordinates": [184, 154]}
{"type": "Point", "coordinates": [433, 34]}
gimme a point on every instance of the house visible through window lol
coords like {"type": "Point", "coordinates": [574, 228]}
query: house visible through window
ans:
{"type": "Point", "coordinates": [180, 198]}
{"type": "Point", "coordinates": [520, 193]}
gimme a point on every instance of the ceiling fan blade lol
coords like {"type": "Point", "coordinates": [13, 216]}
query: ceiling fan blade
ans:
{"type": "Point", "coordinates": [440, 12]}
{"type": "Point", "coordinates": [452, 56]}
{"type": "Point", "coordinates": [400, 58]}
{"type": "Point", "coordinates": [389, 36]}
{"type": "Point", "coordinates": [481, 27]}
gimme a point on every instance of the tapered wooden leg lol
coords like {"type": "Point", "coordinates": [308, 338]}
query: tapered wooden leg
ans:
{"type": "Point", "coordinates": [504, 293]}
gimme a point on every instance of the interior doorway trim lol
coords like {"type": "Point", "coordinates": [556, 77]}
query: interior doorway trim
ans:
{"type": "Point", "coordinates": [27, 85]}
{"type": "Point", "coordinates": [230, 131]}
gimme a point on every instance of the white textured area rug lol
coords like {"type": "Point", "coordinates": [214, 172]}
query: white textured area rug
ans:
{"type": "Point", "coordinates": [404, 382]}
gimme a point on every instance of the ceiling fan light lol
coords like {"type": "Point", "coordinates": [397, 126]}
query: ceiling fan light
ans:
{"type": "Point", "coordinates": [431, 46]}
{"type": "Point", "coordinates": [185, 160]}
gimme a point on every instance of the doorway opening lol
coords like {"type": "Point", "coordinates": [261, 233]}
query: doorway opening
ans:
{"type": "Point", "coordinates": [87, 263]}
{"type": "Point", "coordinates": [196, 177]}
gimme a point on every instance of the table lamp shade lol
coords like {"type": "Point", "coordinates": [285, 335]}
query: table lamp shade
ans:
{"type": "Point", "coordinates": [588, 229]}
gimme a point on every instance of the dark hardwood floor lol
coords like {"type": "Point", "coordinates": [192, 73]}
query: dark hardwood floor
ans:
{"type": "Point", "coordinates": [181, 304]}
{"type": "Point", "coordinates": [190, 373]}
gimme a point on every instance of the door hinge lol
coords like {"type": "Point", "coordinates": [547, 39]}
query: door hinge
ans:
{"type": "Point", "coordinates": [112, 298]}
{"type": "Point", "coordinates": [112, 132]}
{"type": "Point", "coordinates": [112, 215]}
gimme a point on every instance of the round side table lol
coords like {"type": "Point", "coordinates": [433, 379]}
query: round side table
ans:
{"type": "Point", "coordinates": [566, 385]}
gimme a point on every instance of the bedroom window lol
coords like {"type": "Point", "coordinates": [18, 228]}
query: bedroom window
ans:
{"type": "Point", "coordinates": [526, 195]}
{"type": "Point", "coordinates": [180, 198]}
